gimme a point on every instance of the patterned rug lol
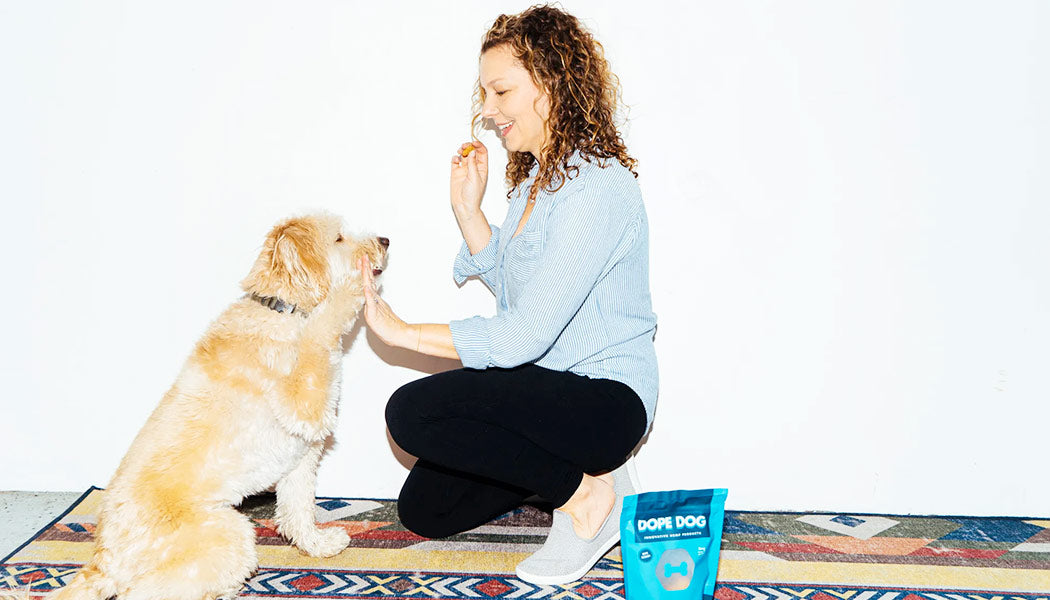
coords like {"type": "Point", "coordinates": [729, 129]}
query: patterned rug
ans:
{"type": "Point", "coordinates": [765, 556]}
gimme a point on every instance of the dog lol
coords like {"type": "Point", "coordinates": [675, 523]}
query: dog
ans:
{"type": "Point", "coordinates": [250, 410]}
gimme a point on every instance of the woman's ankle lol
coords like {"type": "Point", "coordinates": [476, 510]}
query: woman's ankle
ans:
{"type": "Point", "coordinates": [590, 505]}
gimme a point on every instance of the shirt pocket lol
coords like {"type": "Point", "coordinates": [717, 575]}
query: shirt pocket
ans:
{"type": "Point", "coordinates": [523, 255]}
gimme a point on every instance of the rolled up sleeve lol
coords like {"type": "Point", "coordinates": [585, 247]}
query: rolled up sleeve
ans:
{"type": "Point", "coordinates": [482, 264]}
{"type": "Point", "coordinates": [470, 337]}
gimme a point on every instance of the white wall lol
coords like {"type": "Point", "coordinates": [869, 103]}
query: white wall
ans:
{"type": "Point", "coordinates": [848, 205]}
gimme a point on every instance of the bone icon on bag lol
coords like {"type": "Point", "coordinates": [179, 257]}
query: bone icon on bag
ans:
{"type": "Point", "coordinates": [682, 568]}
{"type": "Point", "coordinates": [675, 569]}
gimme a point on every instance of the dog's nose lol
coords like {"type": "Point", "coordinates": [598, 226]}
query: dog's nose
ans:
{"type": "Point", "coordinates": [384, 242]}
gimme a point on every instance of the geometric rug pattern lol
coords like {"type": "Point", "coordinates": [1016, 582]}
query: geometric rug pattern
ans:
{"type": "Point", "coordinates": [764, 556]}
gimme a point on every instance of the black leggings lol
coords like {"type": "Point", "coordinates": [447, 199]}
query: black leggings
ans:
{"type": "Point", "coordinates": [487, 440]}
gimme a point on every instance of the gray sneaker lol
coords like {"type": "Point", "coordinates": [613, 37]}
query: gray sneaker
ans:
{"type": "Point", "coordinates": [565, 556]}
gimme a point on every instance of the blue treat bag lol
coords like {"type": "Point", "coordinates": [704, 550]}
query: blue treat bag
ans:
{"type": "Point", "coordinates": [670, 542]}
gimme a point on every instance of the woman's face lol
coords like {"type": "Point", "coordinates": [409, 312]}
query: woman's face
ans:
{"type": "Point", "coordinates": [516, 106]}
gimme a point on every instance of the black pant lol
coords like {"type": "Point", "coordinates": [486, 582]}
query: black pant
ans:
{"type": "Point", "coordinates": [487, 440]}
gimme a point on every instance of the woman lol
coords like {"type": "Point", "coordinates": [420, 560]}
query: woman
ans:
{"type": "Point", "coordinates": [560, 385]}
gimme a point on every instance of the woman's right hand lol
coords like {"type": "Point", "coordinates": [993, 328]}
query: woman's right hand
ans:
{"type": "Point", "coordinates": [378, 314]}
{"type": "Point", "coordinates": [468, 178]}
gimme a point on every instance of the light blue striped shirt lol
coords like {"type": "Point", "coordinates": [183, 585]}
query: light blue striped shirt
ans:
{"type": "Point", "coordinates": [572, 289]}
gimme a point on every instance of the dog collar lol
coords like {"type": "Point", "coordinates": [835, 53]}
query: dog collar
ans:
{"type": "Point", "coordinates": [275, 303]}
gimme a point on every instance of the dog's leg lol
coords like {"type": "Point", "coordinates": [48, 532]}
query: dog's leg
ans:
{"type": "Point", "coordinates": [305, 405]}
{"type": "Point", "coordinates": [295, 509]}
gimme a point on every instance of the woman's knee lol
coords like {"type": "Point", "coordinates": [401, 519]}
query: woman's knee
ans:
{"type": "Point", "coordinates": [416, 406]}
{"type": "Point", "coordinates": [417, 517]}
{"type": "Point", "coordinates": [402, 413]}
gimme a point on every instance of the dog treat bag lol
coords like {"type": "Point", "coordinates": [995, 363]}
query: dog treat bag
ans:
{"type": "Point", "coordinates": [670, 543]}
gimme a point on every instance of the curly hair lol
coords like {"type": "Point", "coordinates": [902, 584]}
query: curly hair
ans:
{"type": "Point", "coordinates": [567, 63]}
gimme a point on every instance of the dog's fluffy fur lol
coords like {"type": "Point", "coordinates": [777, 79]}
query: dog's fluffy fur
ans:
{"type": "Point", "coordinates": [252, 408]}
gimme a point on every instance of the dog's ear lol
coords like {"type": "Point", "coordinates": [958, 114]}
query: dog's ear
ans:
{"type": "Point", "coordinates": [292, 264]}
{"type": "Point", "coordinates": [300, 255]}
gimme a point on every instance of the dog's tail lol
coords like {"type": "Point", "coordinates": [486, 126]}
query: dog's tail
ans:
{"type": "Point", "coordinates": [89, 584]}
{"type": "Point", "coordinates": [15, 594]}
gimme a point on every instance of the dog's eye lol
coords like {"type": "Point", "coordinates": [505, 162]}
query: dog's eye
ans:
{"type": "Point", "coordinates": [339, 239]}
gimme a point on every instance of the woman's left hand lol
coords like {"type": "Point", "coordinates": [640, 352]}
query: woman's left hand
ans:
{"type": "Point", "coordinates": [378, 314]}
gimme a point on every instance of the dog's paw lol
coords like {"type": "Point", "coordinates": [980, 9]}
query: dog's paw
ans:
{"type": "Point", "coordinates": [325, 542]}
{"type": "Point", "coordinates": [344, 301]}
{"type": "Point", "coordinates": [345, 290]}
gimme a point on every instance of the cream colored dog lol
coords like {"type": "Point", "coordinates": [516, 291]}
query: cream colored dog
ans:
{"type": "Point", "coordinates": [251, 408]}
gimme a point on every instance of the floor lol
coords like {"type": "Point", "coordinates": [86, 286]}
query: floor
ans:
{"type": "Point", "coordinates": [22, 514]}
{"type": "Point", "coordinates": [774, 555]}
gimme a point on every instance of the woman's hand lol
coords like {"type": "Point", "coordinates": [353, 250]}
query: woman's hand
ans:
{"type": "Point", "coordinates": [378, 314]}
{"type": "Point", "coordinates": [433, 339]}
{"type": "Point", "coordinates": [468, 178]}
{"type": "Point", "coordinates": [467, 182]}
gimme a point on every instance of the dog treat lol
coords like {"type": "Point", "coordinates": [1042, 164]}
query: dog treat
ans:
{"type": "Point", "coordinates": [670, 543]}
{"type": "Point", "coordinates": [466, 150]}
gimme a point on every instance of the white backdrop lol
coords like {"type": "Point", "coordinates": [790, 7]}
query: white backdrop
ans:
{"type": "Point", "coordinates": [848, 204]}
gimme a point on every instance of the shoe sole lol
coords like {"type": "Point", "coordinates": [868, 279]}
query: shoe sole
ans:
{"type": "Point", "coordinates": [575, 575]}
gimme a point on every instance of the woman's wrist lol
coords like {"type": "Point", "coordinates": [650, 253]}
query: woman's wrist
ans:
{"type": "Point", "coordinates": [432, 339]}
{"type": "Point", "coordinates": [409, 336]}
{"type": "Point", "coordinates": [467, 213]}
